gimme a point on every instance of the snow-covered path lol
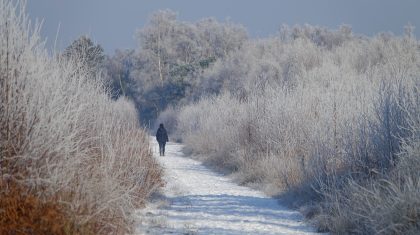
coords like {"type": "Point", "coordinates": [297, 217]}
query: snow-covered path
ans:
{"type": "Point", "coordinates": [197, 200]}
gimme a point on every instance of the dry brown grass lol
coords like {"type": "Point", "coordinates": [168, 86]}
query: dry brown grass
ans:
{"type": "Point", "coordinates": [22, 212]}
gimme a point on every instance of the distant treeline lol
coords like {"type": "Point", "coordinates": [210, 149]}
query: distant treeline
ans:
{"type": "Point", "coordinates": [168, 67]}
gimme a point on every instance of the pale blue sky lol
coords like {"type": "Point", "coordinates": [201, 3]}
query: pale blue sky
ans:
{"type": "Point", "coordinates": [113, 23]}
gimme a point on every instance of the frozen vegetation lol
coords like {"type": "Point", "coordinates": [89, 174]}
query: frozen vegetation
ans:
{"type": "Point", "coordinates": [72, 161]}
{"type": "Point", "coordinates": [325, 118]}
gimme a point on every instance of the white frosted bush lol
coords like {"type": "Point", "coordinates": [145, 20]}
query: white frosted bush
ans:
{"type": "Point", "coordinates": [62, 137]}
{"type": "Point", "coordinates": [313, 114]}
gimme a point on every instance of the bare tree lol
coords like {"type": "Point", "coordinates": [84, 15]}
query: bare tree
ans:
{"type": "Point", "coordinates": [85, 52]}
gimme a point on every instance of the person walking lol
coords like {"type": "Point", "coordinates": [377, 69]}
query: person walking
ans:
{"type": "Point", "coordinates": [162, 138]}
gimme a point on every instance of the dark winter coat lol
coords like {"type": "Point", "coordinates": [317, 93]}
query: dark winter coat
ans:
{"type": "Point", "coordinates": [162, 135]}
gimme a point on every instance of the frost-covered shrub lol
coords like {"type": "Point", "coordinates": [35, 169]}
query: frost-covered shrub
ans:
{"type": "Point", "coordinates": [387, 203]}
{"type": "Point", "coordinates": [197, 121]}
{"type": "Point", "coordinates": [63, 142]}
{"type": "Point", "coordinates": [329, 117]}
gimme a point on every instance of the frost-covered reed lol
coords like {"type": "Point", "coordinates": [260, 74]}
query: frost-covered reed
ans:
{"type": "Point", "coordinates": [63, 141]}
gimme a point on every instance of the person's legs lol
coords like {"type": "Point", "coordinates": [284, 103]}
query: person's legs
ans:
{"type": "Point", "coordinates": [163, 148]}
{"type": "Point", "coordinates": [160, 149]}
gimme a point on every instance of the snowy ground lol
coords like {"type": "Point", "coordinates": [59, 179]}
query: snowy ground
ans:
{"type": "Point", "coordinates": [197, 200]}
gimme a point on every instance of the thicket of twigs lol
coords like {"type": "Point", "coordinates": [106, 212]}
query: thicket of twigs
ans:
{"type": "Point", "coordinates": [327, 116]}
{"type": "Point", "coordinates": [72, 161]}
